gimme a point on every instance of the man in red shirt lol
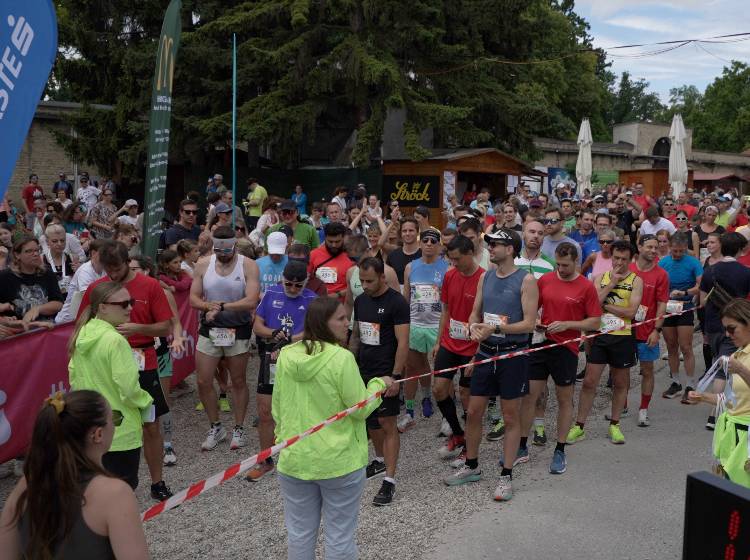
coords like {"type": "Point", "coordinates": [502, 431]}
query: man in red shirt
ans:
{"type": "Point", "coordinates": [31, 192]}
{"type": "Point", "coordinates": [455, 347]}
{"type": "Point", "coordinates": [568, 305]}
{"type": "Point", "coordinates": [330, 262]}
{"type": "Point", "coordinates": [149, 318]}
{"type": "Point", "coordinates": [653, 304]}
{"type": "Point", "coordinates": [682, 204]}
{"type": "Point", "coordinates": [643, 200]}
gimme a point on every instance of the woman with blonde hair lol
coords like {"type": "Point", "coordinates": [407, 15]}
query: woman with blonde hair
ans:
{"type": "Point", "coordinates": [101, 360]}
{"type": "Point", "coordinates": [56, 258]}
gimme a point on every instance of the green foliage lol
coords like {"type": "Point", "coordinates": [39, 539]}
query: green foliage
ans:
{"type": "Point", "coordinates": [633, 102]}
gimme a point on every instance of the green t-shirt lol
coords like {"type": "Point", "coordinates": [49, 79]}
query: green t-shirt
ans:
{"type": "Point", "coordinates": [303, 233]}
{"type": "Point", "coordinates": [260, 195]}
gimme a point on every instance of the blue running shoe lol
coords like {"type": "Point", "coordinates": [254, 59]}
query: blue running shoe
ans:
{"type": "Point", "coordinates": [427, 407]}
{"type": "Point", "coordinates": [558, 465]}
{"type": "Point", "coordinates": [521, 457]}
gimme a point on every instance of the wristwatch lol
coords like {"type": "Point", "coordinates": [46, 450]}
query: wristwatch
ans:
{"type": "Point", "coordinates": [221, 306]}
{"type": "Point", "coordinates": [497, 330]}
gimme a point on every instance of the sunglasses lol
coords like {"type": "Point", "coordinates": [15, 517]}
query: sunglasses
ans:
{"type": "Point", "coordinates": [224, 251]}
{"type": "Point", "coordinates": [287, 212]}
{"type": "Point", "coordinates": [683, 219]}
{"type": "Point", "coordinates": [239, 228]}
{"type": "Point", "coordinates": [298, 285]}
{"type": "Point", "coordinates": [430, 241]}
{"type": "Point", "coordinates": [552, 221]}
{"type": "Point", "coordinates": [493, 244]}
{"type": "Point", "coordinates": [191, 212]}
{"type": "Point", "coordinates": [117, 418]}
{"type": "Point", "coordinates": [606, 241]}
{"type": "Point", "coordinates": [124, 304]}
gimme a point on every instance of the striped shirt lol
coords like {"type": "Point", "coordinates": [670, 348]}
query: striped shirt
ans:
{"type": "Point", "coordinates": [538, 266]}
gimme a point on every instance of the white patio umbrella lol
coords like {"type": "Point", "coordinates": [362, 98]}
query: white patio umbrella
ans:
{"type": "Point", "coordinates": [583, 165]}
{"type": "Point", "coordinates": [678, 171]}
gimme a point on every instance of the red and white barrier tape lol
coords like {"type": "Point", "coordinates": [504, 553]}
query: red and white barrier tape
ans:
{"type": "Point", "coordinates": [238, 468]}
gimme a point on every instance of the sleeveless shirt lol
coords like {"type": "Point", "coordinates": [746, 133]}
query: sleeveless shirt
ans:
{"type": "Point", "coordinates": [227, 288]}
{"type": "Point", "coordinates": [501, 304]}
{"type": "Point", "coordinates": [619, 297]}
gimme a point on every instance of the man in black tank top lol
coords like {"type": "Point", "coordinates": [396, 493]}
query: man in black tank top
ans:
{"type": "Point", "coordinates": [504, 314]}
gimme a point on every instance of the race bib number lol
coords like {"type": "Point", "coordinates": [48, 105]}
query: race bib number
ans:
{"type": "Point", "coordinates": [140, 359]}
{"type": "Point", "coordinates": [272, 373]}
{"type": "Point", "coordinates": [640, 315]}
{"type": "Point", "coordinates": [327, 275]}
{"type": "Point", "coordinates": [157, 342]}
{"type": "Point", "coordinates": [64, 283]}
{"type": "Point", "coordinates": [222, 337]}
{"type": "Point", "coordinates": [611, 323]}
{"type": "Point", "coordinates": [458, 330]}
{"type": "Point", "coordinates": [703, 254]}
{"type": "Point", "coordinates": [674, 306]}
{"type": "Point", "coordinates": [495, 320]}
{"type": "Point", "coordinates": [369, 333]}
{"type": "Point", "coordinates": [426, 293]}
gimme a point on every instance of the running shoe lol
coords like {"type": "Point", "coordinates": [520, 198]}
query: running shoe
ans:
{"type": "Point", "coordinates": [685, 399]}
{"type": "Point", "coordinates": [615, 434]}
{"type": "Point", "coordinates": [504, 490]}
{"type": "Point", "coordinates": [624, 414]}
{"type": "Point", "coordinates": [445, 429]}
{"type": "Point", "coordinates": [497, 432]}
{"type": "Point", "coordinates": [522, 456]}
{"type": "Point", "coordinates": [493, 413]}
{"type": "Point", "coordinates": [224, 405]}
{"type": "Point", "coordinates": [559, 464]}
{"type": "Point", "coordinates": [375, 468]}
{"type": "Point", "coordinates": [170, 457]}
{"type": "Point", "coordinates": [643, 420]}
{"type": "Point", "coordinates": [581, 375]}
{"type": "Point", "coordinates": [160, 491]}
{"type": "Point", "coordinates": [427, 407]}
{"type": "Point", "coordinates": [199, 406]}
{"type": "Point", "coordinates": [540, 438]}
{"type": "Point", "coordinates": [711, 423]}
{"type": "Point", "coordinates": [673, 391]}
{"type": "Point", "coordinates": [460, 460]}
{"type": "Point", "coordinates": [238, 438]}
{"type": "Point", "coordinates": [215, 435]}
{"type": "Point", "coordinates": [406, 422]}
{"type": "Point", "coordinates": [385, 495]}
{"type": "Point", "coordinates": [452, 447]}
{"type": "Point", "coordinates": [260, 470]}
{"type": "Point", "coordinates": [575, 434]}
{"type": "Point", "coordinates": [463, 475]}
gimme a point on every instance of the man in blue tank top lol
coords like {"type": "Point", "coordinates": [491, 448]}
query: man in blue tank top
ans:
{"type": "Point", "coordinates": [423, 280]}
{"type": "Point", "coordinates": [504, 314]}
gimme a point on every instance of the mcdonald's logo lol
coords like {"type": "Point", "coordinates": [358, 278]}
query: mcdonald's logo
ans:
{"type": "Point", "coordinates": [165, 73]}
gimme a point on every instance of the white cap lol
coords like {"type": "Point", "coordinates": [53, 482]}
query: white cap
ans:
{"type": "Point", "coordinates": [130, 202]}
{"type": "Point", "coordinates": [218, 176]}
{"type": "Point", "coordinates": [277, 243]}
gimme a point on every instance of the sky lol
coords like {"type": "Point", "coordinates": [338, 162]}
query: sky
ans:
{"type": "Point", "coordinates": [622, 22]}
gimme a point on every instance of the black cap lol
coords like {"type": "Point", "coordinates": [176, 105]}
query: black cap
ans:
{"type": "Point", "coordinates": [505, 236]}
{"type": "Point", "coordinates": [295, 271]}
{"type": "Point", "coordinates": [287, 205]}
{"type": "Point", "coordinates": [431, 233]}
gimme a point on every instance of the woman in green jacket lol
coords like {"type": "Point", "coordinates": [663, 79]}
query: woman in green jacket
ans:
{"type": "Point", "coordinates": [101, 360]}
{"type": "Point", "coordinates": [325, 473]}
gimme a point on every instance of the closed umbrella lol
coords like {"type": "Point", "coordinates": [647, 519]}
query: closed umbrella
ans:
{"type": "Point", "coordinates": [678, 171]}
{"type": "Point", "coordinates": [583, 165]}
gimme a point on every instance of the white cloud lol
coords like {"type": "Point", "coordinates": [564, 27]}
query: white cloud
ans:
{"type": "Point", "coordinates": [641, 23]}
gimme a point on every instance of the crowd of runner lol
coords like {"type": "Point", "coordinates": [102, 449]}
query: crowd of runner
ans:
{"type": "Point", "coordinates": [532, 271]}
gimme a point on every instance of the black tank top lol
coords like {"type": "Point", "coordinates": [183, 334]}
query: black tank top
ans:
{"type": "Point", "coordinates": [82, 543]}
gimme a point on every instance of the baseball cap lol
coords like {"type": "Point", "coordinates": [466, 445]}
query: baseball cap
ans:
{"type": "Point", "coordinates": [288, 205]}
{"type": "Point", "coordinates": [505, 236]}
{"type": "Point", "coordinates": [222, 208]}
{"type": "Point", "coordinates": [725, 198]}
{"type": "Point", "coordinates": [277, 243]}
{"type": "Point", "coordinates": [130, 202]}
{"type": "Point", "coordinates": [430, 233]}
{"type": "Point", "coordinates": [295, 271]}
{"type": "Point", "coordinates": [599, 197]}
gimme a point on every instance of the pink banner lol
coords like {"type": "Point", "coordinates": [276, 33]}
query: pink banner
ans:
{"type": "Point", "coordinates": [184, 364]}
{"type": "Point", "coordinates": [35, 365]}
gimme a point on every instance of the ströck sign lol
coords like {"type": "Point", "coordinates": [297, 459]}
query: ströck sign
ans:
{"type": "Point", "coordinates": [412, 190]}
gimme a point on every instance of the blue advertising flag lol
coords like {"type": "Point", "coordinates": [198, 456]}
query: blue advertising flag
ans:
{"type": "Point", "coordinates": [28, 46]}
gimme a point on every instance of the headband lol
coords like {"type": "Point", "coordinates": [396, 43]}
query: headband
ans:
{"type": "Point", "coordinates": [224, 243]}
{"type": "Point", "coordinates": [56, 401]}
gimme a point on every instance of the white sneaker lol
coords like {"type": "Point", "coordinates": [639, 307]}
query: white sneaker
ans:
{"type": "Point", "coordinates": [445, 429]}
{"type": "Point", "coordinates": [238, 438]}
{"type": "Point", "coordinates": [643, 420]}
{"type": "Point", "coordinates": [504, 490]}
{"type": "Point", "coordinates": [405, 423]}
{"type": "Point", "coordinates": [170, 457]}
{"type": "Point", "coordinates": [215, 435]}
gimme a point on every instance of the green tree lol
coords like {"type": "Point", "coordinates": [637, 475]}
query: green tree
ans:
{"type": "Point", "coordinates": [633, 102]}
{"type": "Point", "coordinates": [685, 100]}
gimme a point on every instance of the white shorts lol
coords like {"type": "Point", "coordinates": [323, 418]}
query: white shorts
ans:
{"type": "Point", "coordinates": [205, 346]}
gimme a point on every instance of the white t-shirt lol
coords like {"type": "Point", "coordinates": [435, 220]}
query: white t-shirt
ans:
{"type": "Point", "coordinates": [83, 277]}
{"type": "Point", "coordinates": [128, 219]}
{"type": "Point", "coordinates": [647, 228]}
{"type": "Point", "coordinates": [88, 196]}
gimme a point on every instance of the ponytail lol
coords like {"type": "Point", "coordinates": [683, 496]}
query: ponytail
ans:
{"type": "Point", "coordinates": [56, 466]}
{"type": "Point", "coordinates": [99, 293]}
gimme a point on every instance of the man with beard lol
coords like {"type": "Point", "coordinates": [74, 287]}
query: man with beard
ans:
{"type": "Point", "coordinates": [380, 340]}
{"type": "Point", "coordinates": [279, 320]}
{"type": "Point", "coordinates": [225, 290]}
{"type": "Point", "coordinates": [586, 236]}
{"type": "Point", "coordinates": [149, 318]}
{"type": "Point", "coordinates": [504, 315]}
{"type": "Point", "coordinates": [330, 262]}
{"type": "Point", "coordinates": [555, 234]}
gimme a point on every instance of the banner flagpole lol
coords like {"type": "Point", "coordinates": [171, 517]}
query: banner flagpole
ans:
{"type": "Point", "coordinates": [234, 125]}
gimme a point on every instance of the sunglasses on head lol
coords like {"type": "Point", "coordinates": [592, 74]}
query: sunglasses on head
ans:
{"type": "Point", "coordinates": [289, 284]}
{"type": "Point", "coordinates": [551, 221]}
{"type": "Point", "coordinates": [124, 304]}
{"type": "Point", "coordinates": [191, 212]}
{"type": "Point", "coordinates": [117, 418]}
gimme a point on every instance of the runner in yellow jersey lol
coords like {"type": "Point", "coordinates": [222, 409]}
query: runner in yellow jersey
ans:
{"type": "Point", "coordinates": [619, 292]}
